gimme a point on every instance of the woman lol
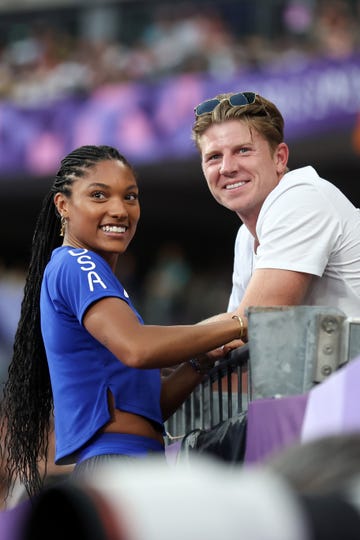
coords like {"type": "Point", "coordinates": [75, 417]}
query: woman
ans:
{"type": "Point", "coordinates": [81, 347]}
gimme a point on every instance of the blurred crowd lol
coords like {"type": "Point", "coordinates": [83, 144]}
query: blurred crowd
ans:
{"type": "Point", "coordinates": [44, 57]}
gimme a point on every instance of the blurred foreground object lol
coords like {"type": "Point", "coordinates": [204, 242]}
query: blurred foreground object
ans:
{"type": "Point", "coordinates": [208, 500]}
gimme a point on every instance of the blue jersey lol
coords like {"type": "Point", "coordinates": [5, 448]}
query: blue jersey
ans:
{"type": "Point", "coordinates": [82, 370]}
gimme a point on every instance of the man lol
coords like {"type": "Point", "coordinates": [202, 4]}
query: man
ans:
{"type": "Point", "coordinates": [299, 242]}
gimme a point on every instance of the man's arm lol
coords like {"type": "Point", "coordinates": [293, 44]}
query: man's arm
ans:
{"type": "Point", "coordinates": [272, 287]}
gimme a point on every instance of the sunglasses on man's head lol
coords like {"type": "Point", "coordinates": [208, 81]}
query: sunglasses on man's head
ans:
{"type": "Point", "coordinates": [236, 100]}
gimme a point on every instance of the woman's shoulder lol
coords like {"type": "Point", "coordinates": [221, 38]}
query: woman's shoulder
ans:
{"type": "Point", "coordinates": [77, 256]}
{"type": "Point", "coordinates": [70, 261]}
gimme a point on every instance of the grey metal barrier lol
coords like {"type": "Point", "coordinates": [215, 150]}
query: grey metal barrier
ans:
{"type": "Point", "coordinates": [290, 350]}
{"type": "Point", "coordinates": [293, 348]}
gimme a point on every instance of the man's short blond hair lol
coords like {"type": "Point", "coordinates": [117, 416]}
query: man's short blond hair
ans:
{"type": "Point", "coordinates": [261, 115]}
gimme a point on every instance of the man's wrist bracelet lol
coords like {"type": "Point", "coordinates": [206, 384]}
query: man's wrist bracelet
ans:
{"type": "Point", "coordinates": [200, 368]}
{"type": "Point", "coordinates": [243, 331]}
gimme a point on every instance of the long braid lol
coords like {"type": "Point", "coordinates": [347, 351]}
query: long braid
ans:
{"type": "Point", "coordinates": [27, 403]}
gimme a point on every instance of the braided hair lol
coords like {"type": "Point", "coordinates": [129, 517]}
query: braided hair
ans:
{"type": "Point", "coordinates": [27, 403]}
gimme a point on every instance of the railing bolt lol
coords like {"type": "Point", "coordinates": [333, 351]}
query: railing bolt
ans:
{"type": "Point", "coordinates": [326, 370]}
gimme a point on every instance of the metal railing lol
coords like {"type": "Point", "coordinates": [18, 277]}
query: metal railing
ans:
{"type": "Point", "coordinates": [292, 348]}
{"type": "Point", "coordinates": [221, 395]}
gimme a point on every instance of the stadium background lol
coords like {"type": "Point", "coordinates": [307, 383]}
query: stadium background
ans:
{"type": "Point", "coordinates": [152, 62]}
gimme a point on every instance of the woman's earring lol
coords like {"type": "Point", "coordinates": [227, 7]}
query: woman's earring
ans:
{"type": "Point", "coordinates": [62, 228]}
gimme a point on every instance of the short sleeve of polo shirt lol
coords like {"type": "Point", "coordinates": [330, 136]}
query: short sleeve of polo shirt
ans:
{"type": "Point", "coordinates": [297, 228]}
{"type": "Point", "coordinates": [76, 278]}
